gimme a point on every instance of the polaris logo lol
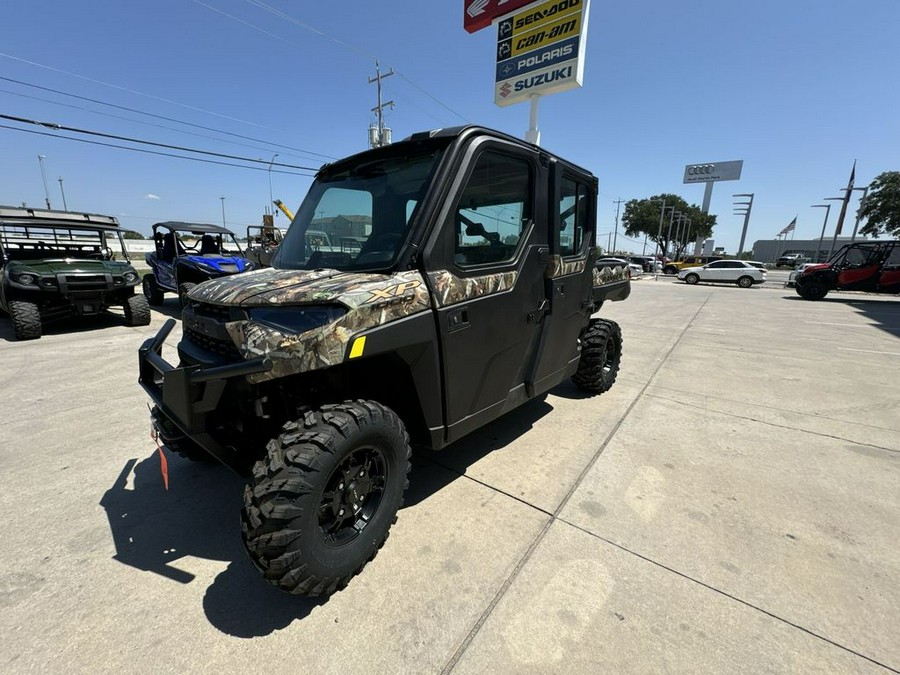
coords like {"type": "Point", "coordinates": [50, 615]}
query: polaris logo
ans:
{"type": "Point", "coordinates": [552, 55]}
{"type": "Point", "coordinates": [542, 78]}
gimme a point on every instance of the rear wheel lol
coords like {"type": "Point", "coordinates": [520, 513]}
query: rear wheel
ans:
{"type": "Point", "coordinates": [321, 503]}
{"type": "Point", "coordinates": [137, 311]}
{"type": "Point", "coordinates": [183, 291]}
{"type": "Point", "coordinates": [601, 354]}
{"type": "Point", "coordinates": [812, 290]}
{"type": "Point", "coordinates": [152, 291]}
{"type": "Point", "coordinates": [26, 319]}
{"type": "Point", "coordinates": [691, 279]}
{"type": "Point", "coordinates": [745, 282]}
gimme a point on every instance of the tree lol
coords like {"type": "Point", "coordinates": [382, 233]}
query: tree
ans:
{"type": "Point", "coordinates": [881, 208]}
{"type": "Point", "coordinates": [642, 218]}
{"type": "Point", "coordinates": [131, 234]}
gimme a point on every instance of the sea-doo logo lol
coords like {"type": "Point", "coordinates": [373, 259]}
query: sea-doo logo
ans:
{"type": "Point", "coordinates": [546, 13]}
{"type": "Point", "coordinates": [543, 78]}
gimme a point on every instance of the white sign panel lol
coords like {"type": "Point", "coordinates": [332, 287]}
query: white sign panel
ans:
{"type": "Point", "coordinates": [714, 171]}
{"type": "Point", "coordinates": [539, 50]}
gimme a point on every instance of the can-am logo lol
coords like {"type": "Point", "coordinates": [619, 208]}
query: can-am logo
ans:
{"type": "Point", "coordinates": [542, 78]}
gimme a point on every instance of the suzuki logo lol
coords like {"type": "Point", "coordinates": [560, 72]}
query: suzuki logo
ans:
{"type": "Point", "coordinates": [505, 89]}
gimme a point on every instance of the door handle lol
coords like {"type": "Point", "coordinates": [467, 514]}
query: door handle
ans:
{"type": "Point", "coordinates": [458, 320]}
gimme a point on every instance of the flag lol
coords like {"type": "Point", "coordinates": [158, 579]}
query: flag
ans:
{"type": "Point", "coordinates": [790, 227]}
{"type": "Point", "coordinates": [847, 194]}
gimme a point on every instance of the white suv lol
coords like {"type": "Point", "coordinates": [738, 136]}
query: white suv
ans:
{"type": "Point", "coordinates": [737, 272]}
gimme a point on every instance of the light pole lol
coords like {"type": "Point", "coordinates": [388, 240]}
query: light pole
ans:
{"type": "Point", "coordinates": [827, 208]}
{"type": "Point", "coordinates": [743, 208]}
{"type": "Point", "coordinates": [271, 201]}
{"type": "Point", "coordinates": [834, 238]}
{"type": "Point", "coordinates": [862, 202]}
{"type": "Point", "coordinates": [223, 211]}
{"type": "Point", "coordinates": [41, 159]}
{"type": "Point", "coordinates": [669, 233]}
{"type": "Point", "coordinates": [616, 226]}
{"type": "Point", "coordinates": [63, 192]}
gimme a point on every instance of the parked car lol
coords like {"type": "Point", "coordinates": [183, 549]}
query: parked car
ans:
{"type": "Point", "coordinates": [738, 272]}
{"type": "Point", "coordinates": [791, 260]}
{"type": "Point", "coordinates": [648, 263]}
{"type": "Point", "coordinates": [187, 254]}
{"type": "Point", "coordinates": [675, 266]}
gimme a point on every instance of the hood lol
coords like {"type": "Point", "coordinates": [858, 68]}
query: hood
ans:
{"type": "Point", "coordinates": [815, 268]}
{"type": "Point", "coordinates": [301, 287]}
{"type": "Point", "coordinates": [222, 264]}
{"type": "Point", "coordinates": [69, 266]}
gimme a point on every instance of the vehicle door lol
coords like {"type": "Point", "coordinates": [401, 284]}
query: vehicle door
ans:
{"type": "Point", "coordinates": [858, 269]}
{"type": "Point", "coordinates": [569, 276]}
{"type": "Point", "coordinates": [716, 271]}
{"type": "Point", "coordinates": [485, 264]}
{"type": "Point", "coordinates": [889, 277]}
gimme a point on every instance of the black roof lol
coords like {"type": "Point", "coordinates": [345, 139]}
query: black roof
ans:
{"type": "Point", "coordinates": [193, 227]}
{"type": "Point", "coordinates": [17, 215]}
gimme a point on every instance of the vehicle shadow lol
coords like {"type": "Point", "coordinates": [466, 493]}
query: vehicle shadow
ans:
{"type": "Point", "coordinates": [171, 307]}
{"type": "Point", "coordinates": [883, 312]}
{"type": "Point", "coordinates": [153, 528]}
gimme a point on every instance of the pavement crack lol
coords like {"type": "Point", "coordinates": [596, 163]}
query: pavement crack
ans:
{"type": "Point", "coordinates": [498, 596]}
{"type": "Point", "coordinates": [730, 596]}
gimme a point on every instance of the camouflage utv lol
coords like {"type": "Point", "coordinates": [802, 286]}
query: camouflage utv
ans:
{"type": "Point", "coordinates": [452, 278]}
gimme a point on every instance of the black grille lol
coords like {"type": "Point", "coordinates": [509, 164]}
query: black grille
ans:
{"type": "Point", "coordinates": [208, 330]}
{"type": "Point", "coordinates": [85, 282]}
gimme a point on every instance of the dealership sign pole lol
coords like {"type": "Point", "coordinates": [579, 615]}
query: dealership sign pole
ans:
{"type": "Point", "coordinates": [711, 173]}
{"type": "Point", "coordinates": [540, 46]}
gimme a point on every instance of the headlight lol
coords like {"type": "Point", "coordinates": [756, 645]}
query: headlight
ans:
{"type": "Point", "coordinates": [249, 266]}
{"type": "Point", "coordinates": [26, 279]}
{"type": "Point", "coordinates": [130, 277]}
{"type": "Point", "coordinates": [296, 319]}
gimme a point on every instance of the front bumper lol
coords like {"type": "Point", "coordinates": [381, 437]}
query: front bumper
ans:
{"type": "Point", "coordinates": [188, 394]}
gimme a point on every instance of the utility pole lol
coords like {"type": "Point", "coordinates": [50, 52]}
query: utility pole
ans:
{"type": "Point", "coordinates": [378, 135]}
{"type": "Point", "coordinates": [616, 226]}
{"type": "Point", "coordinates": [63, 192]}
{"type": "Point", "coordinates": [223, 211]}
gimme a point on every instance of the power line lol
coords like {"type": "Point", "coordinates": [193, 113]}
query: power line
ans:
{"type": "Point", "coordinates": [164, 117]}
{"type": "Point", "coordinates": [131, 91]}
{"type": "Point", "coordinates": [60, 127]}
{"type": "Point", "coordinates": [151, 152]}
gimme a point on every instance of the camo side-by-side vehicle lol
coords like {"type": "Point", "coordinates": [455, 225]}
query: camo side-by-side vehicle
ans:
{"type": "Point", "coordinates": [58, 264]}
{"type": "Point", "coordinates": [468, 290]}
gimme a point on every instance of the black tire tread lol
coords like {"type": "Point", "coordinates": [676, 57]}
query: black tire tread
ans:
{"type": "Point", "coordinates": [155, 296]}
{"type": "Point", "coordinates": [281, 489]}
{"type": "Point", "coordinates": [26, 319]}
{"type": "Point", "coordinates": [590, 376]}
{"type": "Point", "coordinates": [137, 311]}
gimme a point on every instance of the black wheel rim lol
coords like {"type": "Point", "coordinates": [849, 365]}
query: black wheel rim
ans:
{"type": "Point", "coordinates": [352, 495]}
{"type": "Point", "coordinates": [609, 357]}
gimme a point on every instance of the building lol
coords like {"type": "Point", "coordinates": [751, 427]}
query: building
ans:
{"type": "Point", "coordinates": [769, 250]}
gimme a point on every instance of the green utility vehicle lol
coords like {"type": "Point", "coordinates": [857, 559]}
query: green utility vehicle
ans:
{"type": "Point", "coordinates": [58, 264]}
{"type": "Point", "coordinates": [471, 291]}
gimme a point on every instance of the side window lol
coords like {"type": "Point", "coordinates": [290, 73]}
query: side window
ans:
{"type": "Point", "coordinates": [493, 210]}
{"type": "Point", "coordinates": [893, 260]}
{"type": "Point", "coordinates": [572, 217]}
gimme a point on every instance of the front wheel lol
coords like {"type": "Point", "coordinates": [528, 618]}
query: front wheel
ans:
{"type": "Point", "coordinates": [691, 279]}
{"type": "Point", "coordinates": [321, 503]}
{"type": "Point", "coordinates": [152, 291]}
{"type": "Point", "coordinates": [745, 282]}
{"type": "Point", "coordinates": [137, 311]}
{"type": "Point", "coordinates": [670, 269]}
{"type": "Point", "coordinates": [183, 291]}
{"type": "Point", "coordinates": [601, 354]}
{"type": "Point", "coordinates": [26, 319]}
{"type": "Point", "coordinates": [812, 290]}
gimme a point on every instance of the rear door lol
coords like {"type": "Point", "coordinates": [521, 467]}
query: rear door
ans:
{"type": "Point", "coordinates": [485, 266]}
{"type": "Point", "coordinates": [889, 278]}
{"type": "Point", "coordinates": [859, 268]}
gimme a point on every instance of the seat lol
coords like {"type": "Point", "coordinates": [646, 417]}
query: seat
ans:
{"type": "Point", "coordinates": [169, 247]}
{"type": "Point", "coordinates": [208, 245]}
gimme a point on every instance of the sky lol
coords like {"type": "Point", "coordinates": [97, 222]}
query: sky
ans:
{"type": "Point", "coordinates": [798, 90]}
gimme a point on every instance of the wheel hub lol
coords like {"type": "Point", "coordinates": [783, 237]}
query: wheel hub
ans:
{"type": "Point", "coordinates": [352, 496]}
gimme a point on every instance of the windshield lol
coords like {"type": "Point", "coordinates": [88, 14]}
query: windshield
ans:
{"type": "Point", "coordinates": [214, 244]}
{"type": "Point", "coordinates": [357, 214]}
{"type": "Point", "coordinates": [39, 241]}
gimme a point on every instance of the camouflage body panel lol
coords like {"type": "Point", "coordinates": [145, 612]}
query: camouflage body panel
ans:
{"type": "Point", "coordinates": [558, 267]}
{"type": "Point", "coordinates": [450, 289]}
{"type": "Point", "coordinates": [606, 275]}
{"type": "Point", "coordinates": [371, 300]}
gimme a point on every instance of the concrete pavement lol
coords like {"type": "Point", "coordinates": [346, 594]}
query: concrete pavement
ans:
{"type": "Point", "coordinates": [731, 505]}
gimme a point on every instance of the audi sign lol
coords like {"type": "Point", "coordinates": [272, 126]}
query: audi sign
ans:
{"type": "Point", "coordinates": [714, 171]}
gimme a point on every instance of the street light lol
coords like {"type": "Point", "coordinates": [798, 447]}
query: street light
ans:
{"type": "Point", "coordinates": [63, 192]}
{"type": "Point", "coordinates": [669, 233]}
{"type": "Point", "coordinates": [834, 238]}
{"type": "Point", "coordinates": [41, 159]}
{"type": "Point", "coordinates": [827, 208]}
{"type": "Point", "coordinates": [271, 201]}
{"type": "Point", "coordinates": [862, 202]}
{"type": "Point", "coordinates": [223, 211]}
{"type": "Point", "coordinates": [746, 214]}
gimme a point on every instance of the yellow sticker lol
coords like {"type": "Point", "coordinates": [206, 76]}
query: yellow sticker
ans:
{"type": "Point", "coordinates": [561, 29]}
{"type": "Point", "coordinates": [357, 349]}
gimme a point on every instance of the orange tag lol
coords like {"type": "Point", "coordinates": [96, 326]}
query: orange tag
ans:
{"type": "Point", "coordinates": [163, 466]}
